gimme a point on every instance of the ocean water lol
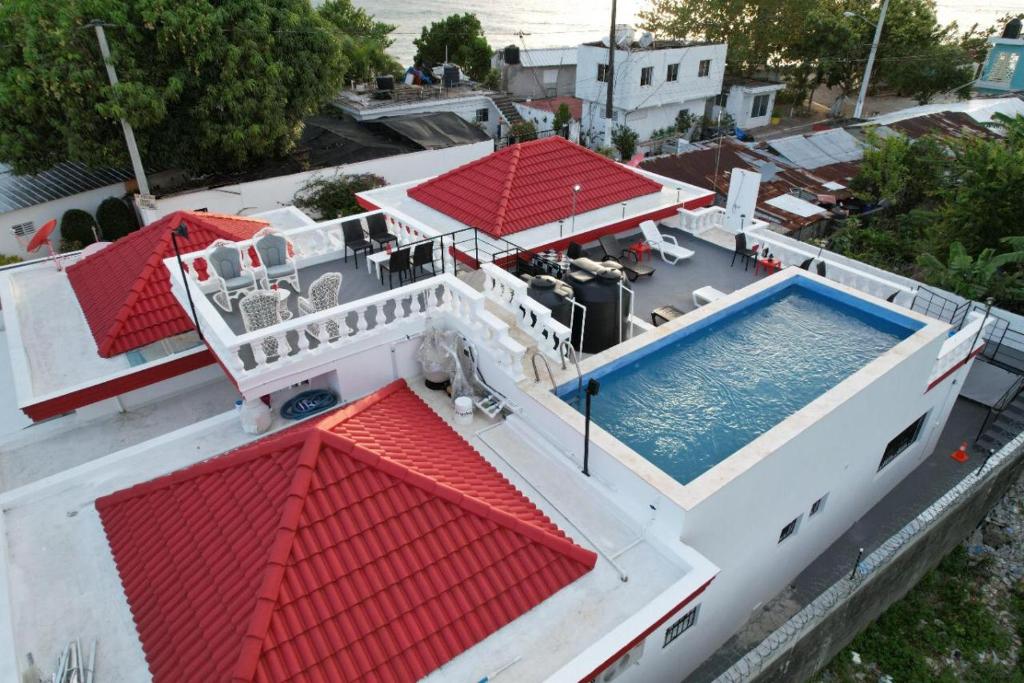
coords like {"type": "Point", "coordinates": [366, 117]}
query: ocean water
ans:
{"type": "Point", "coordinates": [570, 22]}
{"type": "Point", "coordinates": [689, 405]}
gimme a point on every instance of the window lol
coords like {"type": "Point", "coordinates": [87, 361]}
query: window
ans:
{"type": "Point", "coordinates": [704, 68]}
{"type": "Point", "coordinates": [902, 442]}
{"type": "Point", "coordinates": [721, 100]}
{"type": "Point", "coordinates": [818, 505]}
{"type": "Point", "coordinates": [482, 115]}
{"type": "Point", "coordinates": [789, 529]}
{"type": "Point", "coordinates": [646, 75]}
{"type": "Point", "coordinates": [1003, 67]}
{"type": "Point", "coordinates": [673, 72]}
{"type": "Point", "coordinates": [23, 229]}
{"type": "Point", "coordinates": [682, 624]}
{"type": "Point", "coordinates": [760, 107]}
{"type": "Point", "coordinates": [623, 663]}
{"type": "Point", "coordinates": [602, 73]}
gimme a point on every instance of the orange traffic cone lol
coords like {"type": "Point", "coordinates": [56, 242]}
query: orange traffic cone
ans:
{"type": "Point", "coordinates": [960, 454]}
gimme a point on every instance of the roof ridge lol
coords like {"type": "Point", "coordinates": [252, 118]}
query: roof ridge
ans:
{"type": "Point", "coordinates": [468, 503]}
{"type": "Point", "coordinates": [228, 216]}
{"type": "Point", "coordinates": [267, 594]}
{"type": "Point", "coordinates": [506, 190]}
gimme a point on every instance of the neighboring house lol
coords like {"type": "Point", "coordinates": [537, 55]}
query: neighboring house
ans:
{"type": "Point", "coordinates": [398, 149]}
{"type": "Point", "coordinates": [749, 101]}
{"type": "Point", "coordinates": [654, 81]}
{"type": "Point", "coordinates": [474, 106]}
{"type": "Point", "coordinates": [542, 113]}
{"type": "Point", "coordinates": [29, 201]}
{"type": "Point", "coordinates": [545, 72]}
{"type": "Point", "coordinates": [1003, 71]}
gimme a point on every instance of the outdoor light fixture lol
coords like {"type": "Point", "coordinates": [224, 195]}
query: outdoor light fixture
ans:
{"type": "Point", "coordinates": [593, 387]}
{"type": "Point", "coordinates": [182, 232]}
{"type": "Point", "coordinates": [575, 191]}
{"type": "Point", "coordinates": [561, 226]}
{"type": "Point", "coordinates": [623, 209]}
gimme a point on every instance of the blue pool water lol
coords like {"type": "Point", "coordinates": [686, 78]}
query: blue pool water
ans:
{"type": "Point", "coordinates": [691, 400]}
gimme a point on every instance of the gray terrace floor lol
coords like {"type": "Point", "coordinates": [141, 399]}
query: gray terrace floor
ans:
{"type": "Point", "coordinates": [932, 478]}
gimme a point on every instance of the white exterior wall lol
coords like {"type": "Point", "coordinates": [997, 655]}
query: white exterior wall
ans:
{"type": "Point", "coordinates": [273, 193]}
{"type": "Point", "coordinates": [740, 104]}
{"type": "Point", "coordinates": [40, 213]}
{"type": "Point", "coordinates": [544, 119]}
{"type": "Point", "coordinates": [648, 107]}
{"type": "Point", "coordinates": [738, 526]}
{"type": "Point", "coordinates": [466, 107]}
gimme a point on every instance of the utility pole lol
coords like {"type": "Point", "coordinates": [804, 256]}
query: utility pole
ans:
{"type": "Point", "coordinates": [610, 76]}
{"type": "Point", "coordinates": [129, 134]}
{"type": "Point", "coordinates": [859, 109]}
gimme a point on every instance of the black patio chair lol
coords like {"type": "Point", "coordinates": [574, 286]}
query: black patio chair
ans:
{"type": "Point", "coordinates": [378, 229]}
{"type": "Point", "coordinates": [821, 268]}
{"type": "Point", "coordinates": [423, 256]}
{"type": "Point", "coordinates": [355, 239]}
{"type": "Point", "coordinates": [806, 263]}
{"type": "Point", "coordinates": [574, 250]}
{"type": "Point", "coordinates": [399, 263]}
{"type": "Point", "coordinates": [743, 251]}
{"type": "Point", "coordinates": [613, 249]}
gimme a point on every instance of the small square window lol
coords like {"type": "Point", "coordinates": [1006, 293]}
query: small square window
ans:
{"type": "Point", "coordinates": [680, 625]}
{"type": "Point", "coordinates": [646, 75]}
{"type": "Point", "coordinates": [818, 505]}
{"type": "Point", "coordinates": [672, 74]}
{"type": "Point", "coordinates": [789, 529]}
{"type": "Point", "coordinates": [482, 115]}
{"type": "Point", "coordinates": [902, 442]}
{"type": "Point", "coordinates": [704, 68]}
{"type": "Point", "coordinates": [760, 107]}
{"type": "Point", "coordinates": [602, 73]}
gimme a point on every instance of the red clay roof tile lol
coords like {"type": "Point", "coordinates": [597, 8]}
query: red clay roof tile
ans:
{"type": "Point", "coordinates": [125, 291]}
{"type": "Point", "coordinates": [350, 548]}
{"type": "Point", "coordinates": [530, 184]}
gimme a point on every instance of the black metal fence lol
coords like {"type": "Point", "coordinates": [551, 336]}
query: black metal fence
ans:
{"type": "Point", "coordinates": [513, 138]}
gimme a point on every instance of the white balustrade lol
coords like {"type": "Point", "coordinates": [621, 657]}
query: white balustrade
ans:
{"type": "Point", "coordinates": [697, 221]}
{"type": "Point", "coordinates": [532, 317]}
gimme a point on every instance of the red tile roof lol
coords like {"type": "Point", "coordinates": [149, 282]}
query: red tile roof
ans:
{"type": "Point", "coordinates": [125, 291]}
{"type": "Point", "coordinates": [372, 544]}
{"type": "Point", "coordinates": [530, 184]}
{"type": "Point", "coordinates": [552, 104]}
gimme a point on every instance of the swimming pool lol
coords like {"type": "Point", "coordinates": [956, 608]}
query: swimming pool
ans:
{"type": "Point", "coordinates": [691, 399]}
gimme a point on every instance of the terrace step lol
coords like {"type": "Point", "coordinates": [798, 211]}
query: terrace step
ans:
{"type": "Point", "coordinates": [507, 108]}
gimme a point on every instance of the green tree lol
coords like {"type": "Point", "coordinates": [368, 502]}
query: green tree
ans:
{"type": "Point", "coordinates": [335, 197]}
{"type": "Point", "coordinates": [562, 118]}
{"type": "Point", "coordinates": [625, 138]}
{"type": "Point", "coordinates": [208, 85]}
{"type": "Point", "coordinates": [492, 81]}
{"type": "Point", "coordinates": [364, 40]}
{"type": "Point", "coordinates": [116, 219]}
{"type": "Point", "coordinates": [977, 277]}
{"type": "Point", "coordinates": [941, 68]}
{"type": "Point", "coordinates": [461, 37]}
{"type": "Point", "coordinates": [901, 172]}
{"type": "Point", "coordinates": [77, 229]}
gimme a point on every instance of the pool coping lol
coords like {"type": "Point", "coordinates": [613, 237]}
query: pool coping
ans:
{"type": "Point", "coordinates": [687, 496]}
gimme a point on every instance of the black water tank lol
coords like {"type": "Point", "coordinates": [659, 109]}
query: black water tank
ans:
{"type": "Point", "coordinates": [512, 54]}
{"type": "Point", "coordinates": [606, 315]}
{"type": "Point", "coordinates": [553, 293]}
{"type": "Point", "coordinates": [451, 75]}
{"type": "Point", "coordinates": [1012, 29]}
{"type": "Point", "coordinates": [386, 82]}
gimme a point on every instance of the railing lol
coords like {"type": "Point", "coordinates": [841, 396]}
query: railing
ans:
{"type": "Point", "coordinates": [958, 348]}
{"type": "Point", "coordinates": [533, 318]}
{"type": "Point", "coordinates": [936, 305]}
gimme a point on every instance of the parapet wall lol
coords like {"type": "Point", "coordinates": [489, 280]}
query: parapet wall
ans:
{"type": "Point", "coordinates": [808, 641]}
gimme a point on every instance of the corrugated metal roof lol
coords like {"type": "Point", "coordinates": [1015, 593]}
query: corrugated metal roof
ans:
{"type": "Point", "coordinates": [63, 180]}
{"type": "Point", "coordinates": [555, 56]}
{"type": "Point", "coordinates": [819, 149]}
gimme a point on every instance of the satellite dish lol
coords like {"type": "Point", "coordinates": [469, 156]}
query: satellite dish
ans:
{"type": "Point", "coordinates": [42, 239]}
{"type": "Point", "coordinates": [646, 40]}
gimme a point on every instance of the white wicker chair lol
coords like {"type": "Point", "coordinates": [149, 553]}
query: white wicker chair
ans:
{"type": "Point", "coordinates": [260, 309]}
{"type": "Point", "coordinates": [229, 269]}
{"type": "Point", "coordinates": [323, 294]}
{"type": "Point", "coordinates": [276, 263]}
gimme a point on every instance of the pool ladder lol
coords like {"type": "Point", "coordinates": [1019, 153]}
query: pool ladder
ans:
{"type": "Point", "coordinates": [567, 350]}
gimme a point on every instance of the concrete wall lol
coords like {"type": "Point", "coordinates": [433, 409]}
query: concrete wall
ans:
{"type": "Point", "coordinates": [273, 193]}
{"type": "Point", "coordinates": [544, 119]}
{"type": "Point", "coordinates": [539, 82]}
{"type": "Point", "coordinates": [39, 214]}
{"type": "Point", "coordinates": [740, 104]}
{"type": "Point", "coordinates": [815, 635]}
{"type": "Point", "coordinates": [466, 107]}
{"type": "Point", "coordinates": [1008, 47]}
{"type": "Point", "coordinates": [738, 526]}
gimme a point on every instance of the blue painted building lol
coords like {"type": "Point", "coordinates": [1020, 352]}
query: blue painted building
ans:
{"type": "Point", "coordinates": [1003, 70]}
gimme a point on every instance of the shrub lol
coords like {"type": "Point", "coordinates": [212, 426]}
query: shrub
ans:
{"type": "Point", "coordinates": [522, 131]}
{"type": "Point", "coordinates": [625, 138]}
{"type": "Point", "coordinates": [492, 81]}
{"type": "Point", "coordinates": [76, 228]}
{"type": "Point", "coordinates": [335, 197]}
{"type": "Point", "coordinates": [6, 259]}
{"type": "Point", "coordinates": [116, 219]}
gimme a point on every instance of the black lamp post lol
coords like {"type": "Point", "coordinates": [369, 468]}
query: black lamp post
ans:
{"type": "Point", "coordinates": [182, 232]}
{"type": "Point", "coordinates": [593, 387]}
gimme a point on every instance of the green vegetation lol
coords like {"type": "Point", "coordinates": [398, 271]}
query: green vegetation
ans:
{"type": "Point", "coordinates": [364, 41]}
{"type": "Point", "coordinates": [335, 197]}
{"type": "Point", "coordinates": [625, 138]}
{"type": "Point", "coordinates": [208, 86]}
{"type": "Point", "coordinates": [7, 259]}
{"type": "Point", "coordinates": [76, 230]}
{"type": "Point", "coordinates": [492, 81]}
{"type": "Point", "coordinates": [813, 43]}
{"type": "Point", "coordinates": [943, 630]}
{"type": "Point", "coordinates": [116, 219]}
{"type": "Point", "coordinates": [562, 118]}
{"type": "Point", "coordinates": [522, 131]}
{"type": "Point", "coordinates": [461, 37]}
{"type": "Point", "coordinates": [948, 212]}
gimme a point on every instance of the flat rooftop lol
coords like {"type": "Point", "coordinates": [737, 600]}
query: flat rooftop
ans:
{"type": "Point", "coordinates": [52, 525]}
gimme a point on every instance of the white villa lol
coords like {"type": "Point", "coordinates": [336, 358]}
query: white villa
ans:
{"type": "Point", "coordinates": [571, 513]}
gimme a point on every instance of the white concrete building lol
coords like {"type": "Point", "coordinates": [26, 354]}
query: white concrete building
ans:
{"type": "Point", "coordinates": [537, 73]}
{"type": "Point", "coordinates": [472, 105]}
{"type": "Point", "coordinates": [749, 101]}
{"type": "Point", "coordinates": [654, 81]}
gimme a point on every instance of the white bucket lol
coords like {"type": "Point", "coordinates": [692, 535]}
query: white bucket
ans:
{"type": "Point", "coordinates": [464, 410]}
